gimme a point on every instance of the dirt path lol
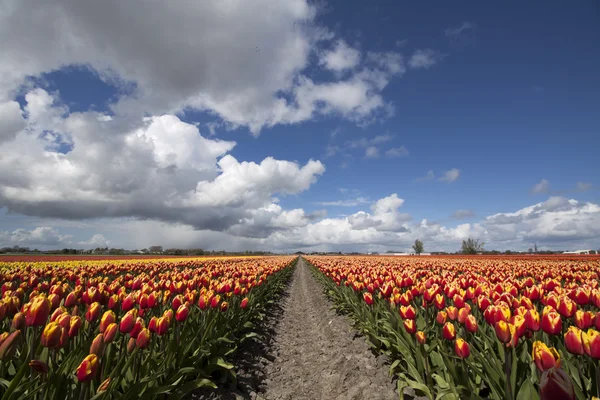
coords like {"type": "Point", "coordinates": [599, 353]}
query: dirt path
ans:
{"type": "Point", "coordinates": [316, 352]}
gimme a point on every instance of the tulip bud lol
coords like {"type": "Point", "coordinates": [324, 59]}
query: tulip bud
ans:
{"type": "Point", "coordinates": [51, 335]}
{"type": "Point", "coordinates": [552, 323]}
{"type": "Point", "coordinates": [75, 325]}
{"type": "Point", "coordinates": [8, 345]}
{"type": "Point", "coordinates": [97, 346]}
{"type": "Point", "coordinates": [532, 320]}
{"type": "Point", "coordinates": [203, 302]}
{"type": "Point", "coordinates": [64, 320]}
{"type": "Point", "coordinates": [573, 341]}
{"type": "Point", "coordinates": [18, 322]}
{"type": "Point", "coordinates": [88, 368]}
{"type": "Point", "coordinates": [244, 303]}
{"type": "Point", "coordinates": [137, 328]}
{"type": "Point", "coordinates": [461, 348]}
{"type": "Point", "coordinates": [152, 325]}
{"type": "Point", "coordinates": [130, 345]}
{"type": "Point", "coordinates": [182, 313]}
{"type": "Point", "coordinates": [555, 384]}
{"type": "Point", "coordinates": [143, 339]}
{"type": "Point", "coordinates": [591, 343]}
{"type": "Point", "coordinates": [128, 320]}
{"type": "Point", "coordinates": [110, 332]}
{"type": "Point", "coordinates": [71, 300]}
{"type": "Point", "coordinates": [449, 331]}
{"type": "Point", "coordinates": [408, 312]}
{"type": "Point", "coordinates": [224, 306]}
{"type": "Point", "coordinates": [38, 311]}
{"type": "Point", "coordinates": [410, 326]}
{"type": "Point", "coordinates": [39, 366]}
{"type": "Point", "coordinates": [545, 357]}
{"type": "Point", "coordinates": [104, 385]}
{"type": "Point", "coordinates": [471, 323]}
{"type": "Point", "coordinates": [439, 301]}
{"type": "Point", "coordinates": [452, 312]}
{"type": "Point", "coordinates": [584, 319]}
{"type": "Point", "coordinates": [128, 302]}
{"type": "Point", "coordinates": [503, 331]}
{"type": "Point", "coordinates": [441, 317]}
{"type": "Point", "coordinates": [463, 313]}
{"type": "Point", "coordinates": [368, 297]}
{"type": "Point", "coordinates": [107, 318]}
{"type": "Point", "coordinates": [421, 338]}
{"type": "Point", "coordinates": [162, 326]}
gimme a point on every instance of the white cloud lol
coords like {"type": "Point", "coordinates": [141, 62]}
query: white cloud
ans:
{"type": "Point", "coordinates": [371, 152]}
{"type": "Point", "coordinates": [42, 235]}
{"type": "Point", "coordinates": [397, 152]}
{"type": "Point", "coordinates": [230, 58]}
{"type": "Point", "coordinates": [340, 58]}
{"type": "Point", "coordinates": [95, 241]}
{"type": "Point", "coordinates": [429, 176]}
{"type": "Point", "coordinates": [450, 175]}
{"type": "Point", "coordinates": [457, 31]}
{"type": "Point", "coordinates": [542, 186]}
{"type": "Point", "coordinates": [344, 203]}
{"type": "Point", "coordinates": [583, 186]}
{"type": "Point", "coordinates": [163, 170]}
{"type": "Point", "coordinates": [425, 58]}
{"type": "Point", "coordinates": [11, 120]}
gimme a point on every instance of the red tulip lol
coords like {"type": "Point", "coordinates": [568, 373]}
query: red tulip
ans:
{"type": "Point", "coordinates": [74, 326]}
{"type": "Point", "coordinates": [108, 318]}
{"type": "Point", "coordinates": [461, 348]}
{"type": "Point", "coordinates": [143, 339]}
{"type": "Point", "coordinates": [545, 357]}
{"type": "Point", "coordinates": [573, 340]}
{"type": "Point", "coordinates": [128, 321]}
{"type": "Point", "coordinates": [51, 335]}
{"type": "Point", "coordinates": [244, 303]}
{"type": "Point", "coordinates": [38, 311]}
{"type": "Point", "coordinates": [449, 331]}
{"type": "Point", "coordinates": [97, 346]}
{"type": "Point", "coordinates": [88, 368]}
{"type": "Point", "coordinates": [591, 343]}
{"type": "Point", "coordinates": [93, 313]}
{"type": "Point", "coordinates": [110, 332]}
{"type": "Point", "coordinates": [471, 324]}
{"type": "Point", "coordinates": [421, 338]}
{"type": "Point", "coordinates": [410, 326]}
{"type": "Point", "coordinates": [182, 313]}
{"type": "Point", "coordinates": [368, 297]}
{"type": "Point", "coordinates": [552, 323]}
{"type": "Point", "coordinates": [555, 384]}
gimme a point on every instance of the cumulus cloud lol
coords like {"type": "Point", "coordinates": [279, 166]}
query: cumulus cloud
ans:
{"type": "Point", "coordinates": [396, 152]}
{"type": "Point", "coordinates": [11, 120]}
{"type": "Point", "coordinates": [230, 58]}
{"type": "Point", "coordinates": [424, 59]}
{"type": "Point", "coordinates": [542, 186]}
{"type": "Point", "coordinates": [340, 58]}
{"type": "Point", "coordinates": [164, 169]}
{"type": "Point", "coordinates": [450, 175]}
{"type": "Point", "coordinates": [371, 152]}
{"type": "Point", "coordinates": [344, 203]}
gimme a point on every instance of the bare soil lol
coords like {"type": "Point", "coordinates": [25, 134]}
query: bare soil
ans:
{"type": "Point", "coordinates": [307, 351]}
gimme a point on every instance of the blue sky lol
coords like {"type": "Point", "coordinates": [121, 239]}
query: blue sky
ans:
{"type": "Point", "coordinates": [287, 125]}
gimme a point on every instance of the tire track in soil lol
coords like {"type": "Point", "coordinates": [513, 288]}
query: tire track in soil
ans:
{"type": "Point", "coordinates": [317, 354]}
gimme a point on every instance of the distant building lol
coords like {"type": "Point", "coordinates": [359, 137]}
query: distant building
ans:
{"type": "Point", "coordinates": [580, 252]}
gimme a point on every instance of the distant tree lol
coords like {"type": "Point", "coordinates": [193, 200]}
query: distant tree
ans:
{"type": "Point", "coordinates": [418, 246]}
{"type": "Point", "coordinates": [535, 249]}
{"type": "Point", "coordinates": [155, 249]}
{"type": "Point", "coordinates": [530, 250]}
{"type": "Point", "coordinates": [471, 246]}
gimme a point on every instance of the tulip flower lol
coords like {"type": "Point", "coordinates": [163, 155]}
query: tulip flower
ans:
{"type": "Point", "coordinates": [131, 345]}
{"type": "Point", "coordinates": [368, 297]}
{"type": "Point", "coordinates": [224, 306]}
{"type": "Point", "coordinates": [552, 323]}
{"type": "Point", "coordinates": [93, 312]}
{"type": "Point", "coordinates": [18, 322]}
{"type": "Point", "coordinates": [584, 319]}
{"type": "Point", "coordinates": [110, 333]}
{"type": "Point", "coordinates": [439, 301]}
{"type": "Point", "coordinates": [532, 320]}
{"type": "Point", "coordinates": [74, 326]}
{"type": "Point", "coordinates": [88, 368]}
{"type": "Point", "coordinates": [203, 302]}
{"type": "Point", "coordinates": [128, 303]}
{"type": "Point", "coordinates": [461, 348]}
{"type": "Point", "coordinates": [463, 313]}
{"type": "Point", "coordinates": [108, 318]}
{"type": "Point", "coordinates": [591, 343]}
{"type": "Point", "coordinates": [441, 317]}
{"type": "Point", "coordinates": [471, 324]}
{"type": "Point", "coordinates": [143, 339]}
{"type": "Point", "coordinates": [452, 312]}
{"type": "Point", "coordinates": [244, 303]}
{"type": "Point", "coordinates": [51, 335]}
{"type": "Point", "coordinates": [38, 311]}
{"type": "Point", "coordinates": [545, 357]}
{"type": "Point", "coordinates": [137, 327]}
{"type": "Point", "coordinates": [566, 307]}
{"type": "Point", "coordinates": [104, 385]}
{"type": "Point", "coordinates": [573, 340]}
{"type": "Point", "coordinates": [555, 384]}
{"type": "Point", "coordinates": [449, 331]}
{"type": "Point", "coordinates": [97, 346]}
{"type": "Point", "coordinates": [408, 312]}
{"type": "Point", "coordinates": [9, 344]}
{"type": "Point", "coordinates": [162, 326]}
{"type": "Point", "coordinates": [421, 338]}
{"type": "Point", "coordinates": [128, 321]}
{"type": "Point", "coordinates": [503, 333]}
{"type": "Point", "coordinates": [182, 313]}
{"type": "Point", "coordinates": [410, 326]}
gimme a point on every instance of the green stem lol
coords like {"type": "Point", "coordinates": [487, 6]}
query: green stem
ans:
{"type": "Point", "coordinates": [507, 371]}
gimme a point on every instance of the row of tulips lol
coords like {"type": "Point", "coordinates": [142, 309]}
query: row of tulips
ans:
{"type": "Point", "coordinates": [128, 329]}
{"type": "Point", "coordinates": [473, 328]}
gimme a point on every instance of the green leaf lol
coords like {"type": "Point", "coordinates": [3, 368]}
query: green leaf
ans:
{"type": "Point", "coordinates": [190, 386]}
{"type": "Point", "coordinates": [527, 391]}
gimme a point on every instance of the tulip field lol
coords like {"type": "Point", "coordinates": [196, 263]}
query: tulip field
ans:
{"type": "Point", "coordinates": [459, 328]}
{"type": "Point", "coordinates": [112, 329]}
